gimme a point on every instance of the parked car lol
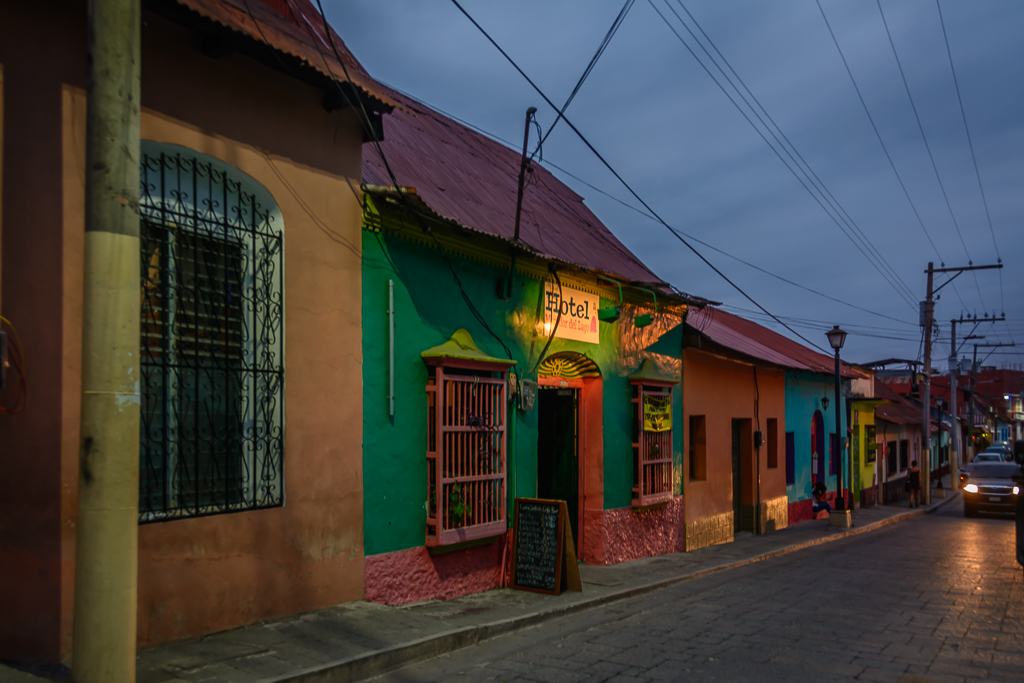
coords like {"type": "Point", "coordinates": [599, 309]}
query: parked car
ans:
{"type": "Point", "coordinates": [989, 456]}
{"type": "Point", "coordinates": [990, 487]}
{"type": "Point", "coordinates": [1004, 450]}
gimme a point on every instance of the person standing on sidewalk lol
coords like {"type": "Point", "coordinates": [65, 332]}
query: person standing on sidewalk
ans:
{"type": "Point", "coordinates": [914, 484]}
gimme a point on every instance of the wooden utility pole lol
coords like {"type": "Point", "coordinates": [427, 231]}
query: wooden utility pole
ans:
{"type": "Point", "coordinates": [106, 553]}
{"type": "Point", "coordinates": [927, 320]}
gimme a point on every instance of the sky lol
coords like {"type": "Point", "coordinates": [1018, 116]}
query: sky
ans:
{"type": "Point", "coordinates": [666, 126]}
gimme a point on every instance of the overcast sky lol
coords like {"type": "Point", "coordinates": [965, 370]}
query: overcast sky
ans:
{"type": "Point", "coordinates": [655, 114]}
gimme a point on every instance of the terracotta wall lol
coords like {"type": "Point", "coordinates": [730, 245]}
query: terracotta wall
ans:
{"type": "Point", "coordinates": [723, 390]}
{"type": "Point", "coordinates": [200, 575]}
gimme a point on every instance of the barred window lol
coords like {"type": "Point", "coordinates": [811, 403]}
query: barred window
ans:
{"type": "Point", "coordinates": [212, 320]}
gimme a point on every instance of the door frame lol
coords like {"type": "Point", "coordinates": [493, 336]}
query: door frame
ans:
{"type": "Point", "coordinates": [577, 384]}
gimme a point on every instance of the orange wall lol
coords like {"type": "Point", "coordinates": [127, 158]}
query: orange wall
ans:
{"type": "Point", "coordinates": [200, 575]}
{"type": "Point", "coordinates": [723, 390]}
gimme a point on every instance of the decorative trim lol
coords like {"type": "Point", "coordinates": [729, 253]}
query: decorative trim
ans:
{"type": "Point", "coordinates": [568, 365]}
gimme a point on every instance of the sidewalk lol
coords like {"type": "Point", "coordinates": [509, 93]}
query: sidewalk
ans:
{"type": "Point", "coordinates": [359, 640]}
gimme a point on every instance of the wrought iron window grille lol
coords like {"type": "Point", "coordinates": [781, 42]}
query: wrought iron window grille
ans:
{"type": "Point", "coordinates": [212, 364]}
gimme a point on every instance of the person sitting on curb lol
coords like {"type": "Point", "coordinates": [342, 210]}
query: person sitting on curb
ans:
{"type": "Point", "coordinates": [818, 498]}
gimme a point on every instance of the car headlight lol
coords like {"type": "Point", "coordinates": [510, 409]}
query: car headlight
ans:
{"type": "Point", "coordinates": [971, 488]}
{"type": "Point", "coordinates": [1016, 490]}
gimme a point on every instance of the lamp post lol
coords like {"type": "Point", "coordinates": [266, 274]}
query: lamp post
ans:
{"type": "Point", "coordinates": [836, 339]}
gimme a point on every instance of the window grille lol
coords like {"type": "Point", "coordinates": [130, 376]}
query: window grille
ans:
{"type": "Point", "coordinates": [212, 377]}
{"type": "Point", "coordinates": [466, 456]}
{"type": "Point", "coordinates": [652, 443]}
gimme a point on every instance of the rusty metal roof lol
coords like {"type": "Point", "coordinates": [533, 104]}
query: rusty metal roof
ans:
{"type": "Point", "coordinates": [292, 27]}
{"type": "Point", "coordinates": [472, 181]}
{"type": "Point", "coordinates": [760, 343]}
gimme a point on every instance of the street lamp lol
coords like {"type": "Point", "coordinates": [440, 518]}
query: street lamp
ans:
{"type": "Point", "coordinates": [836, 339]}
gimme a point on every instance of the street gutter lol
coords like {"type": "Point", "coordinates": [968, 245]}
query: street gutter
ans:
{"type": "Point", "coordinates": [378, 662]}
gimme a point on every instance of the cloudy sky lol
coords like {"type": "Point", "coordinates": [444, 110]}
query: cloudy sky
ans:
{"type": "Point", "coordinates": [652, 110]}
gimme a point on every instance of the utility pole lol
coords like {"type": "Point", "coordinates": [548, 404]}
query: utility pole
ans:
{"type": "Point", "coordinates": [106, 552]}
{"type": "Point", "coordinates": [954, 371]}
{"type": "Point", "coordinates": [973, 382]}
{"type": "Point", "coordinates": [928, 318]}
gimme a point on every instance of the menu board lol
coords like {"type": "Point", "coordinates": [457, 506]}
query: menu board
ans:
{"type": "Point", "coordinates": [543, 559]}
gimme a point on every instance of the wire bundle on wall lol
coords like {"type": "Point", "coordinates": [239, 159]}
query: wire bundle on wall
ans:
{"type": "Point", "coordinates": [17, 361]}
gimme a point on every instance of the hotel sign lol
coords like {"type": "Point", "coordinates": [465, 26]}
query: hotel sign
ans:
{"type": "Point", "coordinates": [579, 313]}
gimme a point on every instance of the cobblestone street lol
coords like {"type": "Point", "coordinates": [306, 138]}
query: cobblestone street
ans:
{"type": "Point", "coordinates": [938, 598]}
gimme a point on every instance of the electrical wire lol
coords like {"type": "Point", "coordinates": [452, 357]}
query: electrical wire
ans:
{"type": "Point", "coordinates": [618, 177]}
{"type": "Point", "coordinates": [890, 276]}
{"type": "Point", "coordinates": [967, 130]}
{"type": "Point", "coordinates": [806, 168]}
{"type": "Point", "coordinates": [885, 149]}
{"type": "Point", "coordinates": [648, 216]}
{"type": "Point", "coordinates": [368, 127]}
{"type": "Point", "coordinates": [928, 147]}
{"type": "Point", "coordinates": [590, 67]}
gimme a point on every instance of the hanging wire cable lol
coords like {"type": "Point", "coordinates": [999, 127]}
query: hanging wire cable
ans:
{"type": "Point", "coordinates": [800, 162]}
{"type": "Point", "coordinates": [622, 180]}
{"type": "Point", "coordinates": [369, 128]}
{"type": "Point", "coordinates": [905, 292]}
{"type": "Point", "coordinates": [648, 216]}
{"type": "Point", "coordinates": [590, 67]}
{"type": "Point", "coordinates": [967, 130]}
{"type": "Point", "coordinates": [885, 149]}
{"type": "Point", "coordinates": [928, 147]}
{"type": "Point", "coordinates": [974, 158]}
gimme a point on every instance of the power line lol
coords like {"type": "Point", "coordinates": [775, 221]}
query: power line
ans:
{"type": "Point", "coordinates": [928, 147]}
{"type": "Point", "coordinates": [974, 158]}
{"type": "Point", "coordinates": [648, 216]}
{"type": "Point", "coordinates": [367, 126]}
{"type": "Point", "coordinates": [804, 183]}
{"type": "Point", "coordinates": [618, 177]}
{"type": "Point", "coordinates": [590, 67]}
{"type": "Point", "coordinates": [885, 149]}
{"type": "Point", "coordinates": [813, 176]}
{"type": "Point", "coordinates": [967, 130]}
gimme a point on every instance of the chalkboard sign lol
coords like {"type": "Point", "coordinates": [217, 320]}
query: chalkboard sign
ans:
{"type": "Point", "coordinates": [543, 559]}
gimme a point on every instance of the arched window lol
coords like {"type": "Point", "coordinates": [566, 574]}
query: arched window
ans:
{"type": "Point", "coordinates": [212, 339]}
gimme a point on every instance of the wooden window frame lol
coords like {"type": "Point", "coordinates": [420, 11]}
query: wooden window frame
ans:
{"type": "Point", "coordinates": [455, 435]}
{"type": "Point", "coordinates": [652, 454]}
{"type": "Point", "coordinates": [698, 442]}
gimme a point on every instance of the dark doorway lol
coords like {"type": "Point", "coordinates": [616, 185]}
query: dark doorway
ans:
{"type": "Point", "coordinates": [818, 447]}
{"type": "Point", "coordinates": [558, 464]}
{"type": "Point", "coordinates": [737, 473]}
{"type": "Point", "coordinates": [743, 506]}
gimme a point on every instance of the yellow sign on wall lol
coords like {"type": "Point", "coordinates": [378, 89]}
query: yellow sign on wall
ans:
{"type": "Point", "coordinates": [579, 313]}
{"type": "Point", "coordinates": [657, 413]}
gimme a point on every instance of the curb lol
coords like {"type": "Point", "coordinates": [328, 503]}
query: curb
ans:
{"type": "Point", "coordinates": [378, 662]}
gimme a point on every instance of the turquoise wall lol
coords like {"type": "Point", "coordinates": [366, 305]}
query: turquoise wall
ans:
{"type": "Point", "coordinates": [803, 396]}
{"type": "Point", "coordinates": [428, 310]}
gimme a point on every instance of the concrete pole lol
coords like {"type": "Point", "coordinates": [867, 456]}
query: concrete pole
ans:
{"type": "Point", "coordinates": [106, 554]}
{"type": "Point", "coordinates": [954, 425]}
{"type": "Point", "coordinates": [926, 393]}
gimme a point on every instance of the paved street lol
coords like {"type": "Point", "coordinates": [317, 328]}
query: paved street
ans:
{"type": "Point", "coordinates": [937, 598]}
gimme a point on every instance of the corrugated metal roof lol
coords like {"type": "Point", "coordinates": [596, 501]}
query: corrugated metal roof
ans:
{"type": "Point", "coordinates": [301, 33]}
{"type": "Point", "coordinates": [758, 342]}
{"type": "Point", "coordinates": [472, 180]}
